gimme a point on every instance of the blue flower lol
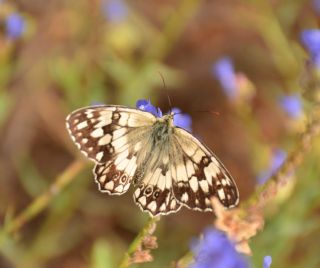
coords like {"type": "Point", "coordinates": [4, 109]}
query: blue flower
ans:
{"type": "Point", "coordinates": [223, 70]}
{"type": "Point", "coordinates": [216, 250]}
{"type": "Point", "coordinates": [267, 260]}
{"type": "Point", "coordinates": [181, 120]}
{"type": "Point", "coordinates": [292, 105]}
{"type": "Point", "coordinates": [278, 158]}
{"type": "Point", "coordinates": [311, 40]}
{"type": "Point", "coordinates": [115, 10]}
{"type": "Point", "coordinates": [15, 26]}
{"type": "Point", "coordinates": [148, 107]}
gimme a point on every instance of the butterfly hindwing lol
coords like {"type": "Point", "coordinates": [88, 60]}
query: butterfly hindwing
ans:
{"type": "Point", "coordinates": [154, 193]}
{"type": "Point", "coordinates": [198, 175]}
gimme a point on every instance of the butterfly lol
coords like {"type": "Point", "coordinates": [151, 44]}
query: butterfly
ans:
{"type": "Point", "coordinates": [168, 167]}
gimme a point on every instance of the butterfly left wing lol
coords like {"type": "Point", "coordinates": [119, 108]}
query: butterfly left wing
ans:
{"type": "Point", "coordinates": [111, 136]}
{"type": "Point", "coordinates": [198, 174]}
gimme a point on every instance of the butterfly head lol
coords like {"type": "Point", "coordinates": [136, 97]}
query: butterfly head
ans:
{"type": "Point", "coordinates": [168, 119]}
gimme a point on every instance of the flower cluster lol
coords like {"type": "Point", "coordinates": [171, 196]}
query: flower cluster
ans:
{"type": "Point", "coordinates": [311, 40]}
{"type": "Point", "coordinates": [224, 71]}
{"type": "Point", "coordinates": [236, 86]}
{"type": "Point", "coordinates": [216, 250]}
{"type": "Point", "coordinates": [179, 119]}
{"type": "Point", "coordinates": [15, 26]}
{"type": "Point", "coordinates": [292, 105]}
{"type": "Point", "coordinates": [277, 159]}
{"type": "Point", "coordinates": [114, 10]}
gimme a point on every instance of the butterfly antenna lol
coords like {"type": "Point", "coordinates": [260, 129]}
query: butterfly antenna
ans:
{"type": "Point", "coordinates": [164, 85]}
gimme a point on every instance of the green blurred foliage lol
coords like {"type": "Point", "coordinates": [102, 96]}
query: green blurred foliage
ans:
{"type": "Point", "coordinates": [72, 54]}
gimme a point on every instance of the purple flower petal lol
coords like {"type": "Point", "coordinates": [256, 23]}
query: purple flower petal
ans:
{"type": "Point", "coordinates": [267, 260]}
{"type": "Point", "coordinates": [223, 70]}
{"type": "Point", "coordinates": [311, 40]}
{"type": "Point", "coordinates": [216, 250]}
{"type": "Point", "coordinates": [114, 10]}
{"type": "Point", "coordinates": [148, 107]}
{"type": "Point", "coordinates": [278, 158]}
{"type": "Point", "coordinates": [292, 105]}
{"type": "Point", "coordinates": [15, 26]}
{"type": "Point", "coordinates": [182, 120]}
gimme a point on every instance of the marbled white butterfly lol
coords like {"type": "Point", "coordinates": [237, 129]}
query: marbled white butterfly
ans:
{"type": "Point", "coordinates": [167, 165]}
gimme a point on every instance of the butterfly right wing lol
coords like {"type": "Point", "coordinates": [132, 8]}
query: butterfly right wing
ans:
{"type": "Point", "coordinates": [111, 136]}
{"type": "Point", "coordinates": [198, 174]}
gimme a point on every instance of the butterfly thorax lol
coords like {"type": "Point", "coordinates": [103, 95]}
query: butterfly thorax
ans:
{"type": "Point", "coordinates": [163, 128]}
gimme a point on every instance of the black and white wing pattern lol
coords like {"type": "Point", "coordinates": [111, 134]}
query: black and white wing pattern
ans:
{"type": "Point", "coordinates": [197, 174]}
{"type": "Point", "coordinates": [111, 136]}
{"type": "Point", "coordinates": [168, 166]}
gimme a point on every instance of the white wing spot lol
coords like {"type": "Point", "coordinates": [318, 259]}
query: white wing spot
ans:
{"type": "Point", "coordinates": [221, 194]}
{"type": "Point", "coordinates": [198, 156]}
{"type": "Point", "coordinates": [152, 206]}
{"type": "Point", "coordinates": [173, 204]}
{"type": "Point", "coordinates": [105, 139]}
{"type": "Point", "coordinates": [184, 197]}
{"type": "Point", "coordinates": [143, 200]}
{"type": "Point", "coordinates": [182, 173]}
{"type": "Point", "coordinates": [194, 184]}
{"type": "Point", "coordinates": [190, 168]}
{"type": "Point", "coordinates": [97, 133]}
{"type": "Point", "coordinates": [109, 185]}
{"type": "Point", "coordinates": [137, 192]}
{"type": "Point", "coordinates": [119, 188]}
{"type": "Point", "coordinates": [82, 125]}
{"type": "Point", "coordinates": [123, 121]}
{"type": "Point", "coordinates": [102, 178]}
{"type": "Point", "coordinates": [204, 186]}
{"type": "Point", "coordinates": [163, 207]}
{"type": "Point", "coordinates": [99, 156]}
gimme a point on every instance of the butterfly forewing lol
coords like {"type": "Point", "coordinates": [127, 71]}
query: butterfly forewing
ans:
{"type": "Point", "coordinates": [111, 136]}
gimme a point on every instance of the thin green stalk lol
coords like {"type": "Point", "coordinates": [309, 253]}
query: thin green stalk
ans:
{"type": "Point", "coordinates": [41, 202]}
{"type": "Point", "coordinates": [136, 243]}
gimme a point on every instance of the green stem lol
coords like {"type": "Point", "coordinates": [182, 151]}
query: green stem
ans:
{"type": "Point", "coordinates": [41, 202]}
{"type": "Point", "coordinates": [136, 243]}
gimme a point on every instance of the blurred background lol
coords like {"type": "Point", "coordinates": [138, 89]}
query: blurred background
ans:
{"type": "Point", "coordinates": [242, 59]}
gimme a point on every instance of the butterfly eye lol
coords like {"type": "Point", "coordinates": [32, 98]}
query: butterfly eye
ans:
{"type": "Point", "coordinates": [148, 190]}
